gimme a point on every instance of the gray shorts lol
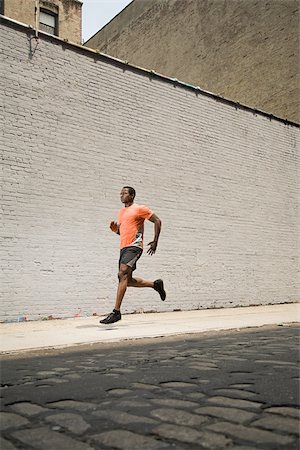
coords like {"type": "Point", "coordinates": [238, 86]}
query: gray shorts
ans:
{"type": "Point", "coordinates": [129, 256]}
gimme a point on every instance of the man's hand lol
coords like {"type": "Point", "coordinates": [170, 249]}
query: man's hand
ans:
{"type": "Point", "coordinates": [157, 226]}
{"type": "Point", "coordinates": [152, 249]}
{"type": "Point", "coordinates": [114, 227]}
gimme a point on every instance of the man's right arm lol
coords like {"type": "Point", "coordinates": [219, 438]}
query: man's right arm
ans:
{"type": "Point", "coordinates": [114, 227]}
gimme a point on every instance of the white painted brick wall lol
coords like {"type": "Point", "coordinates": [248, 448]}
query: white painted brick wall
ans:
{"type": "Point", "coordinates": [77, 128]}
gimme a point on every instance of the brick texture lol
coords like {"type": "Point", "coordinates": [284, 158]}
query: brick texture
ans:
{"type": "Point", "coordinates": [76, 128]}
{"type": "Point", "coordinates": [245, 50]}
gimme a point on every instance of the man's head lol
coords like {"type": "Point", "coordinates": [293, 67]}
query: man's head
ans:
{"type": "Point", "coordinates": [127, 194]}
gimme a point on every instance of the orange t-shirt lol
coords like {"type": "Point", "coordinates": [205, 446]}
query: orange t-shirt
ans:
{"type": "Point", "coordinates": [131, 224]}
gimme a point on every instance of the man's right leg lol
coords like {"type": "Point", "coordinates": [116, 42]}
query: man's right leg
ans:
{"type": "Point", "coordinates": [139, 283]}
{"type": "Point", "coordinates": [157, 285]}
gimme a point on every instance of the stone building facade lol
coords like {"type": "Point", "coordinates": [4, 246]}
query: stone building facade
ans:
{"type": "Point", "coordinates": [244, 50]}
{"type": "Point", "coordinates": [77, 126]}
{"type": "Point", "coordinates": [61, 18]}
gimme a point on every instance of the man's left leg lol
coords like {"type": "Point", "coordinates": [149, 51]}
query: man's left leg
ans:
{"type": "Point", "coordinates": [126, 280]}
{"type": "Point", "coordinates": [123, 276]}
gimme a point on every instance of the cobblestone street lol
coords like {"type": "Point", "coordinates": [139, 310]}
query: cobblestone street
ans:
{"type": "Point", "coordinates": [227, 390]}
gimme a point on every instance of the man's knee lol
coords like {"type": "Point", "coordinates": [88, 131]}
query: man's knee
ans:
{"type": "Point", "coordinates": [121, 275]}
{"type": "Point", "coordinates": [130, 281]}
{"type": "Point", "coordinates": [124, 273]}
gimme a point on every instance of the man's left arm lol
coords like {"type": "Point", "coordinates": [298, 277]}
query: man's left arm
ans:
{"type": "Point", "coordinates": [157, 227]}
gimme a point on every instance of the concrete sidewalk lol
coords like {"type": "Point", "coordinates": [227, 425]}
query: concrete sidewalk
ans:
{"type": "Point", "coordinates": [17, 337]}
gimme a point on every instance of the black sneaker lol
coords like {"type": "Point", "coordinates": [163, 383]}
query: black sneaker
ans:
{"type": "Point", "coordinates": [112, 317]}
{"type": "Point", "coordinates": [159, 287]}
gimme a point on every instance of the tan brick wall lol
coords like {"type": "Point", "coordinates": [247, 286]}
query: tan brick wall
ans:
{"type": "Point", "coordinates": [76, 128]}
{"type": "Point", "coordinates": [69, 15]}
{"type": "Point", "coordinates": [245, 50]}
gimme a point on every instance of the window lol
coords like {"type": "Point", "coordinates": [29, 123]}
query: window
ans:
{"type": "Point", "coordinates": [48, 22]}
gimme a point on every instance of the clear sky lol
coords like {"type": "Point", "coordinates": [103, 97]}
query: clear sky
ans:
{"type": "Point", "coordinates": [96, 13]}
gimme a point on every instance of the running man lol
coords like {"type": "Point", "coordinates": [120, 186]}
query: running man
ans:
{"type": "Point", "coordinates": [130, 227]}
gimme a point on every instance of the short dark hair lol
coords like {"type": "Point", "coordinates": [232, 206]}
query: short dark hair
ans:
{"type": "Point", "coordinates": [131, 190]}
